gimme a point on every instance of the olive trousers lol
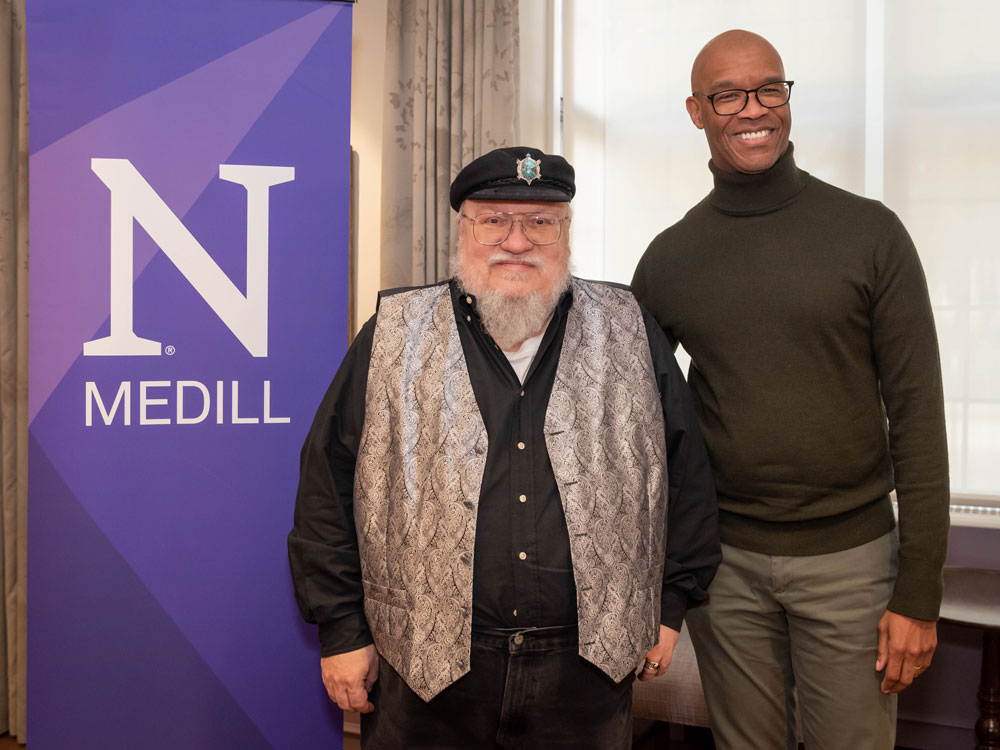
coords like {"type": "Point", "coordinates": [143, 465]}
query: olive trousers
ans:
{"type": "Point", "coordinates": [785, 635]}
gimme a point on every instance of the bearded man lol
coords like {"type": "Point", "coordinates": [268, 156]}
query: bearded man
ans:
{"type": "Point", "coordinates": [504, 500]}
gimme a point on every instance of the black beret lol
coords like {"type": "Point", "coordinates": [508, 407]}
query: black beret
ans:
{"type": "Point", "coordinates": [517, 173]}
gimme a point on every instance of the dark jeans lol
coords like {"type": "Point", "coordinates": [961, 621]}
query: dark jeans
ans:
{"type": "Point", "coordinates": [525, 690]}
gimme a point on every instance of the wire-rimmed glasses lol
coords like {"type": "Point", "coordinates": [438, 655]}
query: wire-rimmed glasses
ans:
{"type": "Point", "coordinates": [494, 228]}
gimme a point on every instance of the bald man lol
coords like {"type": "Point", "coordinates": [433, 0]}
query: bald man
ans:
{"type": "Point", "coordinates": [817, 385]}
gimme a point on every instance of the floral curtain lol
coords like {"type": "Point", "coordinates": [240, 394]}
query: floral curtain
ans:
{"type": "Point", "coordinates": [451, 80]}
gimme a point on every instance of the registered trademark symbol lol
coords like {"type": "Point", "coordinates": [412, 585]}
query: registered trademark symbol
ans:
{"type": "Point", "coordinates": [170, 351]}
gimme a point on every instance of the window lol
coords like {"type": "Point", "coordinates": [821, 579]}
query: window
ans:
{"type": "Point", "coordinates": [894, 99]}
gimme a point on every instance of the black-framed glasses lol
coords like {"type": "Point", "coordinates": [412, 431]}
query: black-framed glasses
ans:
{"type": "Point", "coordinates": [733, 101]}
{"type": "Point", "coordinates": [493, 228]}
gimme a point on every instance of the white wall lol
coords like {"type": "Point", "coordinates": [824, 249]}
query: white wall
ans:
{"type": "Point", "coordinates": [367, 98]}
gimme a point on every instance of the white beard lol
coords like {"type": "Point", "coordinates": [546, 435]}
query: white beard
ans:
{"type": "Point", "coordinates": [511, 319]}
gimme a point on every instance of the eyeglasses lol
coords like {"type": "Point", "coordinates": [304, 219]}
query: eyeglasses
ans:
{"type": "Point", "coordinates": [494, 228]}
{"type": "Point", "coordinates": [732, 101]}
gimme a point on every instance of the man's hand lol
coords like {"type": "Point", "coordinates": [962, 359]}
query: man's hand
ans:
{"type": "Point", "coordinates": [905, 649]}
{"type": "Point", "coordinates": [348, 678]}
{"type": "Point", "coordinates": [660, 654]}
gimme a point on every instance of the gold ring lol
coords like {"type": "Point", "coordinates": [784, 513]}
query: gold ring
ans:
{"type": "Point", "coordinates": [652, 666]}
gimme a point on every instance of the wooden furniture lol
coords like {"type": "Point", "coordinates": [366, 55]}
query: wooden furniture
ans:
{"type": "Point", "coordinates": [972, 597]}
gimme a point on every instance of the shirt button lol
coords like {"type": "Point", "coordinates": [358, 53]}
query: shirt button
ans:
{"type": "Point", "coordinates": [468, 318]}
{"type": "Point", "coordinates": [523, 498]}
{"type": "Point", "coordinates": [520, 446]}
{"type": "Point", "coordinates": [523, 556]}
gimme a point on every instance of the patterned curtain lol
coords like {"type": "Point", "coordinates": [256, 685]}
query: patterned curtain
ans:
{"type": "Point", "coordinates": [451, 78]}
{"type": "Point", "coordinates": [13, 362]}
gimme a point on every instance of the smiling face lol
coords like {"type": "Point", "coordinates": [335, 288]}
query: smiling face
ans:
{"type": "Point", "coordinates": [516, 267]}
{"type": "Point", "coordinates": [517, 284]}
{"type": "Point", "coordinates": [754, 139]}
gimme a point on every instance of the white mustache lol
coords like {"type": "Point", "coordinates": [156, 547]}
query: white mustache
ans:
{"type": "Point", "coordinates": [529, 260]}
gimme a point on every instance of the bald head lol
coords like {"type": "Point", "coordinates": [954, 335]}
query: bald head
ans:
{"type": "Point", "coordinates": [753, 138]}
{"type": "Point", "coordinates": [729, 46]}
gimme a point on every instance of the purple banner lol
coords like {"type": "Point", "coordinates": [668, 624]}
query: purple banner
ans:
{"type": "Point", "coordinates": [189, 295]}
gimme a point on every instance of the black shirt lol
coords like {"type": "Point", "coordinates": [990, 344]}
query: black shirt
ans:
{"type": "Point", "coordinates": [523, 575]}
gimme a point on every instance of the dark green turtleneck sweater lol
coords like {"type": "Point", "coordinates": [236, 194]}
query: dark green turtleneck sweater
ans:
{"type": "Point", "coordinates": [805, 311]}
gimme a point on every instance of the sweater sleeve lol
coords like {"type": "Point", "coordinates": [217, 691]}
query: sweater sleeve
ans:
{"type": "Point", "coordinates": [693, 551]}
{"type": "Point", "coordinates": [323, 543]}
{"type": "Point", "coordinates": [905, 349]}
{"type": "Point", "coordinates": [645, 280]}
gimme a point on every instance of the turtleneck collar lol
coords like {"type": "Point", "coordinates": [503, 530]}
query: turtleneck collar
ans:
{"type": "Point", "coordinates": [748, 194]}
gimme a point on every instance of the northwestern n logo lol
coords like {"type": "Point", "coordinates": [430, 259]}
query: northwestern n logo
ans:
{"type": "Point", "coordinates": [132, 199]}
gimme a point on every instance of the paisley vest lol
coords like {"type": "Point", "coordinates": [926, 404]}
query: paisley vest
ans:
{"type": "Point", "coordinates": [420, 470]}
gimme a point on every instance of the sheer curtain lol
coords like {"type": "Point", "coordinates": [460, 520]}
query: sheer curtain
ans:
{"type": "Point", "coordinates": [942, 74]}
{"type": "Point", "coordinates": [896, 99]}
{"type": "Point", "coordinates": [13, 361]}
{"type": "Point", "coordinates": [451, 77]}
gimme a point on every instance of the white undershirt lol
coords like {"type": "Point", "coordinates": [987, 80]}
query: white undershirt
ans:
{"type": "Point", "coordinates": [521, 359]}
